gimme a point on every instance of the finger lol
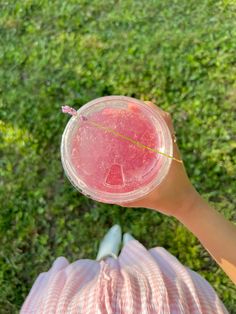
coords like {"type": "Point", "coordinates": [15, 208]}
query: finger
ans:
{"type": "Point", "coordinates": [169, 122]}
{"type": "Point", "coordinates": [165, 115]}
{"type": "Point", "coordinates": [151, 104]}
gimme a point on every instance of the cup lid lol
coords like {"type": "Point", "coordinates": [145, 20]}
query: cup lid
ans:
{"type": "Point", "coordinates": [108, 149]}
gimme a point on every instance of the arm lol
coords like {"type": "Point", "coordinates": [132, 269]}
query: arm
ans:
{"type": "Point", "coordinates": [216, 234]}
{"type": "Point", "coordinates": [177, 197]}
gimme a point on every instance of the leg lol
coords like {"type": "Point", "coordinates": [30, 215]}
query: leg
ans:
{"type": "Point", "coordinates": [126, 238]}
{"type": "Point", "coordinates": [110, 244]}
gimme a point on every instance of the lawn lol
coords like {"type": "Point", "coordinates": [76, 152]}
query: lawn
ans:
{"type": "Point", "coordinates": [179, 54]}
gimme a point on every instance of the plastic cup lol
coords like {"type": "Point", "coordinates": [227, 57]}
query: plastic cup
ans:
{"type": "Point", "coordinates": [108, 150]}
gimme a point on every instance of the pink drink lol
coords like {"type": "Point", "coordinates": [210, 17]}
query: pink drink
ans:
{"type": "Point", "coordinates": [103, 153]}
{"type": "Point", "coordinates": [109, 163]}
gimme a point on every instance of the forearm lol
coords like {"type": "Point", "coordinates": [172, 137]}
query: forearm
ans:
{"type": "Point", "coordinates": [215, 233]}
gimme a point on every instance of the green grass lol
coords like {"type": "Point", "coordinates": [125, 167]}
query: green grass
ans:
{"type": "Point", "coordinates": [180, 54]}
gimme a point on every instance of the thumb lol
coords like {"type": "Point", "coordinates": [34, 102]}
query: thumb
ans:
{"type": "Point", "coordinates": [165, 115]}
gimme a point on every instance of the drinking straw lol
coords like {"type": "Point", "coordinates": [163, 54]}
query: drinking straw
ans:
{"type": "Point", "coordinates": [73, 112]}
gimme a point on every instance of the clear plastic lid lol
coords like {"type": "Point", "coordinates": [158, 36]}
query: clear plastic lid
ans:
{"type": "Point", "coordinates": [109, 149]}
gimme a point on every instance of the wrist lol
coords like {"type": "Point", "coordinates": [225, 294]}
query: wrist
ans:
{"type": "Point", "coordinates": [191, 201]}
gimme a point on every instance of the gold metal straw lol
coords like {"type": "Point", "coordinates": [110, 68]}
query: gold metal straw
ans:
{"type": "Point", "coordinates": [72, 111]}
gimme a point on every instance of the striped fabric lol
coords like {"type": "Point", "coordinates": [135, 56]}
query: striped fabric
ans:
{"type": "Point", "coordinates": [139, 281]}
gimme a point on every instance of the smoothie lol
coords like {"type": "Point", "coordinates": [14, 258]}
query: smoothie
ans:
{"type": "Point", "coordinates": [110, 163]}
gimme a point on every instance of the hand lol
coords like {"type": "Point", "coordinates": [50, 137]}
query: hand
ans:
{"type": "Point", "coordinates": [175, 195]}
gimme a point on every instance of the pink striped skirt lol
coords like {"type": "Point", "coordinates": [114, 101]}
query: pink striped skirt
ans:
{"type": "Point", "coordinates": [139, 281]}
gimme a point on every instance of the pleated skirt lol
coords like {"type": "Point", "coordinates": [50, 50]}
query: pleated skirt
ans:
{"type": "Point", "coordinates": [139, 281]}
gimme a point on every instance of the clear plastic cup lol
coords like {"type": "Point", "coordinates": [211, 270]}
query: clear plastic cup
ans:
{"type": "Point", "coordinates": [108, 150]}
